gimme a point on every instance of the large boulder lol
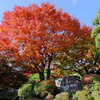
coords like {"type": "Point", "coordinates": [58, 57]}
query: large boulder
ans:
{"type": "Point", "coordinates": [70, 84]}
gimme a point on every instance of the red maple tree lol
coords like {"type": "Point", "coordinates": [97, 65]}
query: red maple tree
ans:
{"type": "Point", "coordinates": [36, 34]}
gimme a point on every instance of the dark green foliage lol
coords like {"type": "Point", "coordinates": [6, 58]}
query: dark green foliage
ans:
{"type": "Point", "coordinates": [36, 88]}
{"type": "Point", "coordinates": [97, 54]}
{"type": "Point", "coordinates": [96, 78]}
{"type": "Point", "coordinates": [73, 96]}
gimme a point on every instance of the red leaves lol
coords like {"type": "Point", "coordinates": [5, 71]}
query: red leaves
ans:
{"type": "Point", "coordinates": [37, 31]}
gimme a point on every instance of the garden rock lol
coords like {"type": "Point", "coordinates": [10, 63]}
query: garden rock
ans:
{"type": "Point", "coordinates": [70, 84]}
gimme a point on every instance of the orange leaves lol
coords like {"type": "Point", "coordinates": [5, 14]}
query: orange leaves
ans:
{"type": "Point", "coordinates": [34, 32]}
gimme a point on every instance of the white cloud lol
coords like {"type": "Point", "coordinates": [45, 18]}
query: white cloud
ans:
{"type": "Point", "coordinates": [74, 2]}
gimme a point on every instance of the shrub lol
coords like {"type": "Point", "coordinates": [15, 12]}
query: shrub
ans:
{"type": "Point", "coordinates": [25, 90]}
{"type": "Point", "coordinates": [62, 96]}
{"type": "Point", "coordinates": [45, 87]}
{"type": "Point", "coordinates": [95, 78]}
{"type": "Point", "coordinates": [49, 97]}
{"type": "Point", "coordinates": [36, 88]}
{"type": "Point", "coordinates": [82, 95]}
{"type": "Point", "coordinates": [33, 77]}
{"type": "Point", "coordinates": [95, 91]}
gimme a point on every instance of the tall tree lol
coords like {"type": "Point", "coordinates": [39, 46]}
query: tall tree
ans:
{"type": "Point", "coordinates": [96, 30]}
{"type": "Point", "coordinates": [96, 34]}
{"type": "Point", "coordinates": [36, 34]}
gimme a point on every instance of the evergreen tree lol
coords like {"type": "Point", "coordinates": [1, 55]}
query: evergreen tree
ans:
{"type": "Point", "coordinates": [96, 31]}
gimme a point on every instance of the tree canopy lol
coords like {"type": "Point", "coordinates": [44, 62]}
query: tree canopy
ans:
{"type": "Point", "coordinates": [96, 30]}
{"type": "Point", "coordinates": [35, 34]}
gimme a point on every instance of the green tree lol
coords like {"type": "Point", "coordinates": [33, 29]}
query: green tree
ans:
{"type": "Point", "coordinates": [96, 31]}
{"type": "Point", "coordinates": [96, 34]}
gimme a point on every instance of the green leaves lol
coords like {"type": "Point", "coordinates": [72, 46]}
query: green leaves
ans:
{"type": "Point", "coordinates": [34, 77]}
{"type": "Point", "coordinates": [96, 31]}
{"type": "Point", "coordinates": [25, 90]}
{"type": "Point", "coordinates": [97, 19]}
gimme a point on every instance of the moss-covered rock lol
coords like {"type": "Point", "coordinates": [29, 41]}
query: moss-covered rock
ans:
{"type": "Point", "coordinates": [62, 96]}
{"type": "Point", "coordinates": [82, 95]}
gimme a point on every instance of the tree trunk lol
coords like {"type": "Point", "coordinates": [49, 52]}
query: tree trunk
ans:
{"type": "Point", "coordinates": [48, 73]}
{"type": "Point", "coordinates": [49, 70]}
{"type": "Point", "coordinates": [41, 75]}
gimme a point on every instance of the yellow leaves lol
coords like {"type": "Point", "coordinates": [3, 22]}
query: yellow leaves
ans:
{"type": "Point", "coordinates": [91, 51]}
{"type": "Point", "coordinates": [88, 55]}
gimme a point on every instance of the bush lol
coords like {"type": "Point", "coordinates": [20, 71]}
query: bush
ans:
{"type": "Point", "coordinates": [95, 78]}
{"type": "Point", "coordinates": [82, 95]}
{"type": "Point", "coordinates": [40, 89]}
{"type": "Point", "coordinates": [49, 97]}
{"type": "Point", "coordinates": [33, 77]}
{"type": "Point", "coordinates": [95, 91]}
{"type": "Point", "coordinates": [25, 90]}
{"type": "Point", "coordinates": [62, 96]}
{"type": "Point", "coordinates": [45, 87]}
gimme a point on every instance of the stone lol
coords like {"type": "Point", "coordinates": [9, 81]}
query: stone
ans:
{"type": "Point", "coordinates": [58, 82]}
{"type": "Point", "coordinates": [71, 84]}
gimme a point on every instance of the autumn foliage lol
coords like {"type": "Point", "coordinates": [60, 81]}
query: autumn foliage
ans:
{"type": "Point", "coordinates": [34, 35]}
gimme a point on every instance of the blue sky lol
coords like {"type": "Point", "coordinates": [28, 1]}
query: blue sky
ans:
{"type": "Point", "coordinates": [84, 10]}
